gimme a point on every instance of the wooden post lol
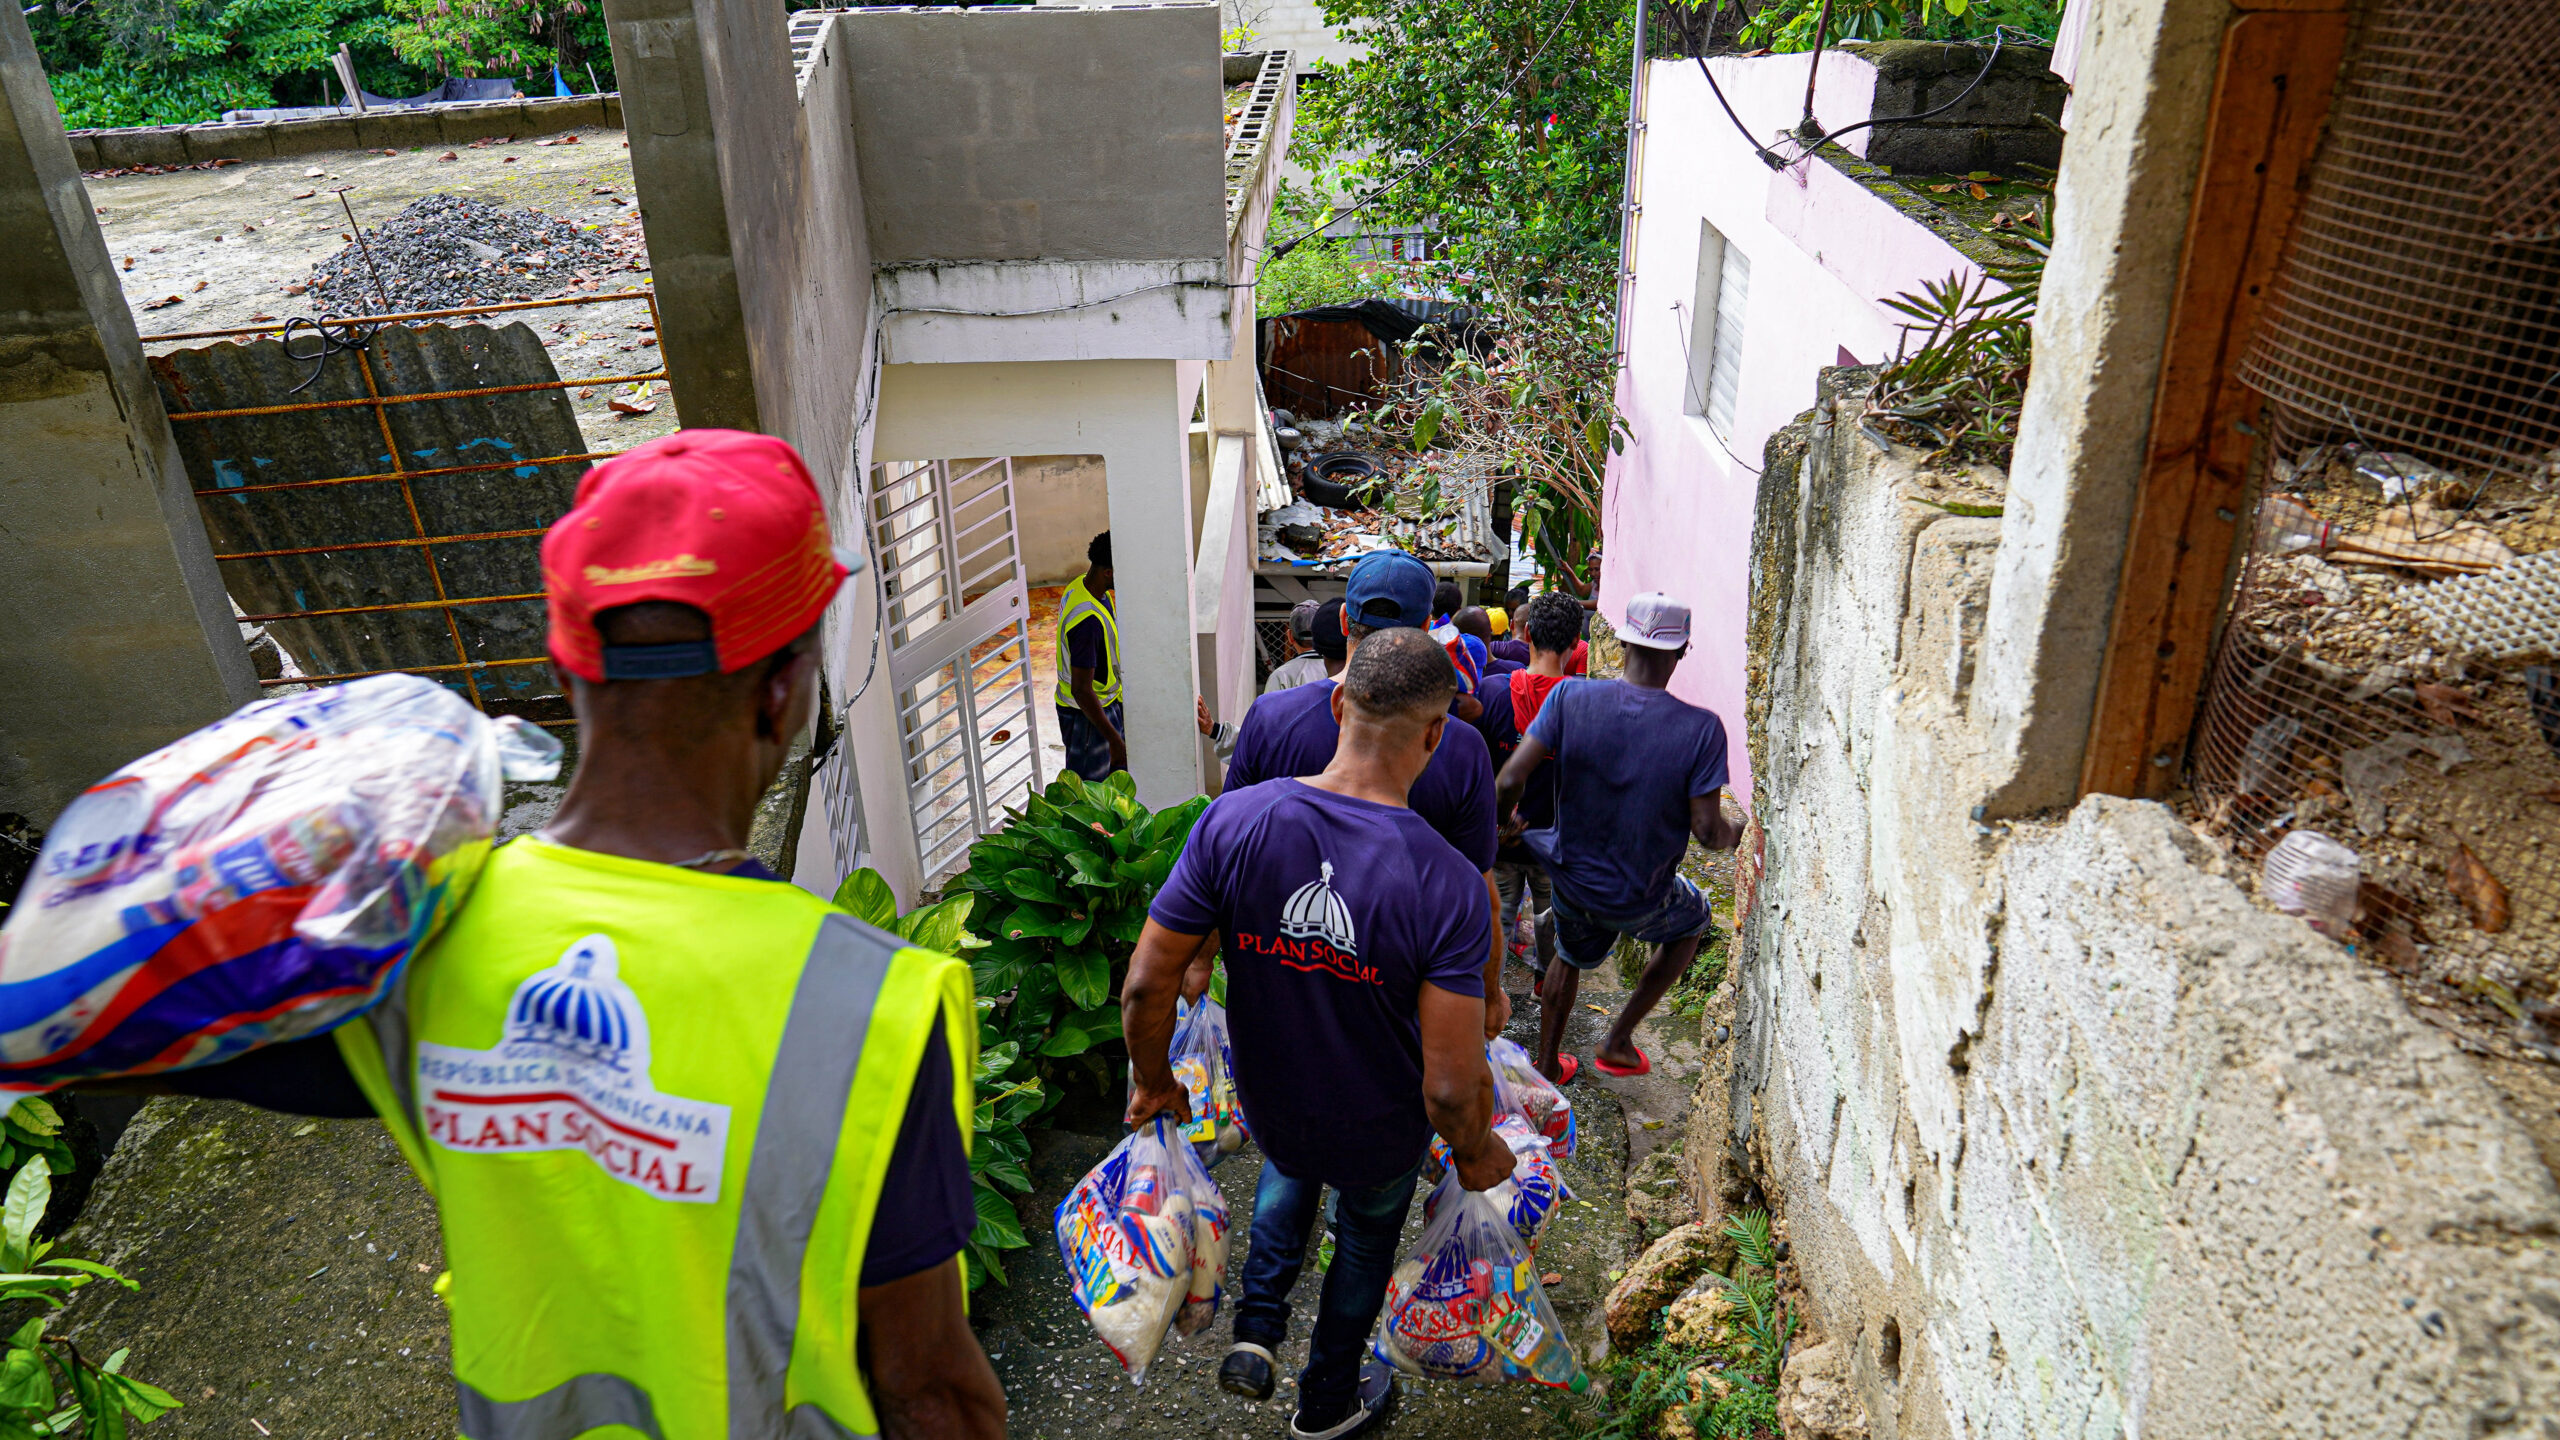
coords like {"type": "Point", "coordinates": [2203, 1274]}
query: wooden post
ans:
{"type": "Point", "coordinates": [2280, 63]}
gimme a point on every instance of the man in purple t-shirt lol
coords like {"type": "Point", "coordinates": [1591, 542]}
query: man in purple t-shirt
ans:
{"type": "Point", "coordinates": [1638, 773]}
{"type": "Point", "coordinates": [1294, 733]}
{"type": "Point", "coordinates": [1354, 943]}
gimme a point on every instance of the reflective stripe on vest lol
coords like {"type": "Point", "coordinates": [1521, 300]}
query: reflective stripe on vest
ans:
{"type": "Point", "coordinates": [795, 1152]}
{"type": "Point", "coordinates": [563, 1412]}
{"type": "Point", "coordinates": [1074, 607]}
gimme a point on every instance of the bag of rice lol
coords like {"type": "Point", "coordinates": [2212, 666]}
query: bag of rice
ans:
{"type": "Point", "coordinates": [1467, 1305]}
{"type": "Point", "coordinates": [1518, 1089]}
{"type": "Point", "coordinates": [1535, 1189]}
{"type": "Point", "coordinates": [260, 880]}
{"type": "Point", "coordinates": [1144, 1237]}
{"type": "Point", "coordinates": [1204, 1061]}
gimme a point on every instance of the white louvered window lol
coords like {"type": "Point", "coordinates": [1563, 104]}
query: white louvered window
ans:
{"type": "Point", "coordinates": [1715, 328]}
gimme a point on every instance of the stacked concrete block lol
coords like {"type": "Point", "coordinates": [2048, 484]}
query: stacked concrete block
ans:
{"type": "Point", "coordinates": [404, 127]}
{"type": "Point", "coordinates": [2012, 119]}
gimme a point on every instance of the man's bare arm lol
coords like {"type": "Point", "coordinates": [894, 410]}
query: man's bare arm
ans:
{"type": "Point", "coordinates": [1156, 970]}
{"type": "Point", "coordinates": [928, 1378]}
{"type": "Point", "coordinates": [1457, 1088]}
{"type": "Point", "coordinates": [1513, 782]}
{"type": "Point", "coordinates": [1709, 823]}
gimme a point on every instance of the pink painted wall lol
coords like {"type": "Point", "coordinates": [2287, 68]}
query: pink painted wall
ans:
{"type": "Point", "coordinates": [1823, 249]}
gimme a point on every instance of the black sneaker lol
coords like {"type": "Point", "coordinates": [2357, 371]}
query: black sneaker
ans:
{"type": "Point", "coordinates": [1247, 1371]}
{"type": "Point", "coordinates": [1375, 1398]}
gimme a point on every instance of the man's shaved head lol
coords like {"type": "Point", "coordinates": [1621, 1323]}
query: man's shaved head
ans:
{"type": "Point", "coordinates": [1399, 674]}
{"type": "Point", "coordinates": [1473, 621]}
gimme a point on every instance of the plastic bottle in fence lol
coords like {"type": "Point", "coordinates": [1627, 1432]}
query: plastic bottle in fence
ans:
{"type": "Point", "coordinates": [2310, 875]}
{"type": "Point", "coordinates": [2287, 526]}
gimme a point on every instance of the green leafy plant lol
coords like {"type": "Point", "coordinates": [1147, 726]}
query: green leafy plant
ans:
{"type": "Point", "coordinates": [1787, 26]}
{"type": "Point", "coordinates": [999, 1153]}
{"type": "Point", "coordinates": [1715, 1379]}
{"type": "Point", "coordinates": [167, 62]}
{"type": "Point", "coordinates": [47, 1387]}
{"type": "Point", "coordinates": [1318, 272]}
{"type": "Point", "coordinates": [1964, 387]}
{"type": "Point", "coordinates": [1767, 1323]}
{"type": "Point", "coordinates": [1063, 891]}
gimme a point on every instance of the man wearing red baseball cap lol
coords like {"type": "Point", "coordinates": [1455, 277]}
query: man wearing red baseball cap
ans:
{"type": "Point", "coordinates": [698, 1138]}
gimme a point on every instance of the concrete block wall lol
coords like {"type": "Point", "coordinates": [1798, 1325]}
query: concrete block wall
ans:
{"type": "Point", "coordinates": [1018, 132]}
{"type": "Point", "coordinates": [2071, 1139]}
{"type": "Point", "coordinates": [408, 127]}
{"type": "Point", "coordinates": [2012, 118]}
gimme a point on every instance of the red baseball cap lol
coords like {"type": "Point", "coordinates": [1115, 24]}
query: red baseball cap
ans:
{"type": "Point", "coordinates": [726, 521]}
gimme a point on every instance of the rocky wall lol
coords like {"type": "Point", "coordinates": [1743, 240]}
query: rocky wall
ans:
{"type": "Point", "coordinates": [2071, 1139]}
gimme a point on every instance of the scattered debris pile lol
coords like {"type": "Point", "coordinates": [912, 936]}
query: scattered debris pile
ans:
{"type": "Point", "coordinates": [2391, 681]}
{"type": "Point", "coordinates": [1432, 505]}
{"type": "Point", "coordinates": [444, 252]}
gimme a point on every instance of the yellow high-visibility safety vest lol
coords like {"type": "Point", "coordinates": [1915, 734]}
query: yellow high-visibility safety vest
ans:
{"type": "Point", "coordinates": [1074, 607]}
{"type": "Point", "coordinates": [655, 1108]}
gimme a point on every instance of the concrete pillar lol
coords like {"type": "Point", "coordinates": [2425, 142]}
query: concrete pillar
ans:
{"type": "Point", "coordinates": [115, 634]}
{"type": "Point", "coordinates": [2145, 87]}
{"type": "Point", "coordinates": [1152, 534]}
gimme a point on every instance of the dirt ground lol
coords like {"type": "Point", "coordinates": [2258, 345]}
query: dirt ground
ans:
{"type": "Point", "coordinates": [246, 231]}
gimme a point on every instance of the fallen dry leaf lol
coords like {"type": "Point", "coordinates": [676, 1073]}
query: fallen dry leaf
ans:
{"type": "Point", "coordinates": [449, 155]}
{"type": "Point", "coordinates": [632, 407]}
{"type": "Point", "coordinates": [2446, 704]}
{"type": "Point", "coordinates": [510, 160]}
{"type": "Point", "coordinates": [162, 304]}
{"type": "Point", "coordinates": [199, 287]}
{"type": "Point", "coordinates": [1551, 1278]}
{"type": "Point", "coordinates": [999, 737]}
{"type": "Point", "coordinates": [1942, 189]}
{"type": "Point", "coordinates": [254, 319]}
{"type": "Point", "coordinates": [304, 194]}
{"type": "Point", "coordinates": [296, 288]}
{"type": "Point", "coordinates": [2478, 890]}
{"type": "Point", "coordinates": [390, 152]}
{"type": "Point", "coordinates": [248, 229]}
{"type": "Point", "coordinates": [588, 393]}
{"type": "Point", "coordinates": [1977, 192]}
{"type": "Point", "coordinates": [128, 262]}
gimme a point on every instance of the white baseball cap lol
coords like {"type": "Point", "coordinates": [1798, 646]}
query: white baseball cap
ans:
{"type": "Point", "coordinates": [1656, 622]}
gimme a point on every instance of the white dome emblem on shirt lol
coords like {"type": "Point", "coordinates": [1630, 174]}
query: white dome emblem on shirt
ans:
{"type": "Point", "coordinates": [579, 1009]}
{"type": "Point", "coordinates": [1315, 912]}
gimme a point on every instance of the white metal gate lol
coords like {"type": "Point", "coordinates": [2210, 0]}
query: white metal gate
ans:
{"type": "Point", "coordinates": [958, 627]}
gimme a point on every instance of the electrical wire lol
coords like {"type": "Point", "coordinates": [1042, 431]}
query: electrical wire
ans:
{"type": "Point", "coordinates": [1776, 161]}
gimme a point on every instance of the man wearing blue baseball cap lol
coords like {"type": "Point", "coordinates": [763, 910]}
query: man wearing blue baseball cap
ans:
{"type": "Point", "coordinates": [1293, 734]}
{"type": "Point", "coordinates": [1639, 772]}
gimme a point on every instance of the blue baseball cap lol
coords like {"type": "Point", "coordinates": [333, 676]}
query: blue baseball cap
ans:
{"type": "Point", "coordinates": [1389, 589]}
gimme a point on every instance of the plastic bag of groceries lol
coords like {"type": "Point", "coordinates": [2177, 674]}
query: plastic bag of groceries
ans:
{"type": "Point", "coordinates": [1518, 1089]}
{"type": "Point", "coordinates": [1144, 1237]}
{"type": "Point", "coordinates": [260, 880]}
{"type": "Point", "coordinates": [1204, 1061]}
{"type": "Point", "coordinates": [1467, 1305]}
{"type": "Point", "coordinates": [1535, 1189]}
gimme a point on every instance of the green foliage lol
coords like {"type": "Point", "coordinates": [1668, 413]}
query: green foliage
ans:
{"type": "Point", "coordinates": [47, 1387]}
{"type": "Point", "coordinates": [1787, 26]}
{"type": "Point", "coordinates": [1541, 407]}
{"type": "Point", "coordinates": [1319, 272]}
{"type": "Point", "coordinates": [1520, 108]}
{"type": "Point", "coordinates": [1965, 387]}
{"type": "Point", "coordinates": [33, 1130]}
{"type": "Point", "coordinates": [1723, 1389]}
{"type": "Point", "coordinates": [503, 37]}
{"type": "Point", "coordinates": [172, 62]}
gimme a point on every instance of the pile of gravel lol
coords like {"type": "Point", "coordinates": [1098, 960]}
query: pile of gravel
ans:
{"type": "Point", "coordinates": [445, 251]}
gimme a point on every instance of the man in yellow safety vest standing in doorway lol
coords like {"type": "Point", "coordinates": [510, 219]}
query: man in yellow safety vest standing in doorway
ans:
{"type": "Point", "coordinates": [1089, 714]}
{"type": "Point", "coordinates": [697, 1138]}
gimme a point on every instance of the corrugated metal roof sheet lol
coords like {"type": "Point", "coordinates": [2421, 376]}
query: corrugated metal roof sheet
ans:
{"type": "Point", "coordinates": [338, 522]}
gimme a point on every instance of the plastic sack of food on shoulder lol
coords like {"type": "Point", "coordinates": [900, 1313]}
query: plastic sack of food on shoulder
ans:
{"type": "Point", "coordinates": [1467, 1305]}
{"type": "Point", "coordinates": [258, 881]}
{"type": "Point", "coordinates": [1518, 1089]}
{"type": "Point", "coordinates": [1536, 1189]}
{"type": "Point", "coordinates": [1144, 1237]}
{"type": "Point", "coordinates": [1204, 1061]}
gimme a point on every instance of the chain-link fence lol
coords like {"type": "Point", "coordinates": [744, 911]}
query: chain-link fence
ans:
{"type": "Point", "coordinates": [2381, 734]}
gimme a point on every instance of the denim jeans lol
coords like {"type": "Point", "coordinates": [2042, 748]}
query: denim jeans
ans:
{"type": "Point", "coordinates": [1367, 1224]}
